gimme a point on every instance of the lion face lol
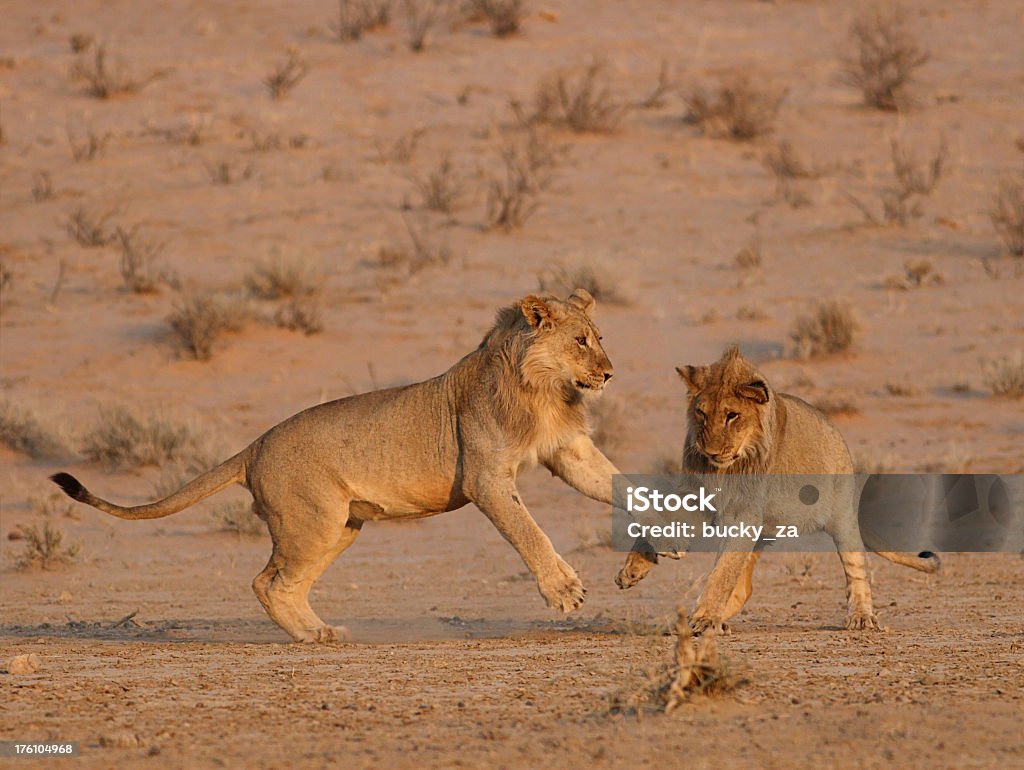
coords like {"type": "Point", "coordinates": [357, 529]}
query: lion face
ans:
{"type": "Point", "coordinates": [728, 405]}
{"type": "Point", "coordinates": [566, 352]}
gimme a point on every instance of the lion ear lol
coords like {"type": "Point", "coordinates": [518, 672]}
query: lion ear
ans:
{"type": "Point", "coordinates": [693, 376]}
{"type": "Point", "coordinates": [538, 313]}
{"type": "Point", "coordinates": [582, 300]}
{"type": "Point", "coordinates": [757, 390]}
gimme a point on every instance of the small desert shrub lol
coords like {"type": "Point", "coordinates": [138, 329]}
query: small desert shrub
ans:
{"type": "Point", "coordinates": [140, 257]}
{"type": "Point", "coordinates": [88, 228]}
{"type": "Point", "coordinates": [402, 149]}
{"type": "Point", "coordinates": [1008, 215]}
{"type": "Point", "coordinates": [836, 405]}
{"type": "Point", "coordinates": [421, 16]}
{"type": "Point", "coordinates": [789, 170]}
{"type": "Point", "coordinates": [227, 171]}
{"type": "Point", "coordinates": [504, 16]}
{"type": "Point", "coordinates": [830, 329]}
{"type": "Point", "coordinates": [739, 109]}
{"type": "Point", "coordinates": [600, 280]}
{"type": "Point", "coordinates": [283, 274]}
{"type": "Point", "coordinates": [358, 16]}
{"type": "Point", "coordinates": [579, 99]}
{"type": "Point", "coordinates": [301, 314]}
{"type": "Point", "coordinates": [88, 144]}
{"type": "Point", "coordinates": [286, 75]}
{"type": "Point", "coordinates": [887, 57]}
{"type": "Point", "coordinates": [199, 321]}
{"type": "Point", "coordinates": [105, 78]}
{"type": "Point", "coordinates": [441, 188]}
{"type": "Point", "coordinates": [665, 85]}
{"type": "Point", "coordinates": [44, 549]}
{"type": "Point", "coordinates": [42, 186]}
{"type": "Point", "coordinates": [526, 171]}
{"type": "Point", "coordinates": [916, 274]}
{"type": "Point", "coordinates": [125, 436]}
{"type": "Point", "coordinates": [913, 181]}
{"type": "Point", "coordinates": [901, 389]}
{"type": "Point", "coordinates": [238, 517]}
{"type": "Point", "coordinates": [750, 256]}
{"type": "Point", "coordinates": [1004, 376]}
{"type": "Point", "coordinates": [22, 431]}
{"type": "Point", "coordinates": [750, 313]}
{"type": "Point", "coordinates": [422, 251]}
{"type": "Point", "coordinates": [80, 42]}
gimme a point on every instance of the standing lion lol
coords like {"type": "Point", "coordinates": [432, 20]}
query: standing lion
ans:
{"type": "Point", "coordinates": [418, 450]}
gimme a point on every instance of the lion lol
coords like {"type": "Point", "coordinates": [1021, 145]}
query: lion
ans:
{"type": "Point", "coordinates": [738, 424]}
{"type": "Point", "coordinates": [462, 437]}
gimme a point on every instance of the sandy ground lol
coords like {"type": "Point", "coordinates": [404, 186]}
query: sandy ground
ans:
{"type": "Point", "coordinates": [454, 660]}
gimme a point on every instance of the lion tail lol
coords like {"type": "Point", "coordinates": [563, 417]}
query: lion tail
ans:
{"type": "Point", "coordinates": [229, 472]}
{"type": "Point", "coordinates": [925, 561]}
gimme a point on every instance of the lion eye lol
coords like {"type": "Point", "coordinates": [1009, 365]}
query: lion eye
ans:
{"type": "Point", "coordinates": [732, 416]}
{"type": "Point", "coordinates": [582, 340]}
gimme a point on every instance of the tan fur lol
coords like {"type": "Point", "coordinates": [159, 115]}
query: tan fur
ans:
{"type": "Point", "coordinates": [737, 424]}
{"type": "Point", "coordinates": [419, 450]}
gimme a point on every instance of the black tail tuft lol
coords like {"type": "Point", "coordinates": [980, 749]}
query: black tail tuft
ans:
{"type": "Point", "coordinates": [72, 487]}
{"type": "Point", "coordinates": [933, 558]}
{"type": "Point", "coordinates": [926, 555]}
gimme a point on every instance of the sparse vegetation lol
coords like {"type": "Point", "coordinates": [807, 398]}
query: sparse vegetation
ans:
{"type": "Point", "coordinates": [358, 16]}
{"type": "Point", "coordinates": [442, 187]}
{"type": "Point", "coordinates": [80, 42]}
{"type": "Point", "coordinates": [282, 275]}
{"type": "Point", "coordinates": [916, 273]}
{"type": "Point", "coordinates": [106, 78]}
{"type": "Point", "coordinates": [829, 330]}
{"type": "Point", "coordinates": [22, 431]}
{"type": "Point", "coordinates": [126, 436]}
{"type": "Point", "coordinates": [198, 321]}
{"type": "Point", "coordinates": [1004, 376]}
{"type": "Point", "coordinates": [836, 405]}
{"type": "Point", "coordinates": [402, 149]}
{"type": "Point", "coordinates": [88, 228]}
{"type": "Point", "coordinates": [140, 257]}
{"type": "Point", "coordinates": [421, 16]}
{"type": "Point", "coordinates": [580, 99]}
{"type": "Point", "coordinates": [6, 281]}
{"type": "Point", "coordinates": [901, 389]}
{"type": "Point", "coordinates": [238, 517]}
{"type": "Point", "coordinates": [751, 313]}
{"type": "Point", "coordinates": [600, 280]}
{"type": "Point", "coordinates": [913, 181]}
{"type": "Point", "coordinates": [301, 314]}
{"type": "Point", "coordinates": [789, 169]}
{"type": "Point", "coordinates": [887, 56]}
{"type": "Point", "coordinates": [665, 85]}
{"type": "Point", "coordinates": [750, 256]}
{"type": "Point", "coordinates": [609, 424]}
{"type": "Point", "coordinates": [88, 145]}
{"type": "Point", "coordinates": [42, 186]}
{"type": "Point", "coordinates": [527, 167]}
{"type": "Point", "coordinates": [44, 548]}
{"type": "Point", "coordinates": [739, 109]}
{"type": "Point", "coordinates": [1008, 215]}
{"type": "Point", "coordinates": [422, 251]}
{"type": "Point", "coordinates": [228, 171]}
{"type": "Point", "coordinates": [504, 16]}
{"type": "Point", "coordinates": [286, 75]}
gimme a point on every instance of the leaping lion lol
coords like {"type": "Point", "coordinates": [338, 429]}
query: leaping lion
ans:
{"type": "Point", "coordinates": [419, 450]}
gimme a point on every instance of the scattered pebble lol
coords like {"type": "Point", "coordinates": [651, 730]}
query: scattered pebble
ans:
{"type": "Point", "coordinates": [23, 664]}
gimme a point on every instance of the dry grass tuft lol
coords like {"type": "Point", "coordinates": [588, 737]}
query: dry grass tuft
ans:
{"type": "Point", "coordinates": [140, 258]}
{"type": "Point", "coordinates": [87, 144]}
{"type": "Point", "coordinates": [527, 169]}
{"type": "Point", "coordinates": [836, 405]}
{"type": "Point", "coordinates": [199, 321]}
{"type": "Point", "coordinates": [829, 330]}
{"type": "Point", "coordinates": [1008, 215]}
{"type": "Point", "coordinates": [740, 109]}
{"type": "Point", "coordinates": [106, 78]}
{"type": "Point", "coordinates": [88, 228]}
{"type": "Point", "coordinates": [421, 16]}
{"type": "Point", "coordinates": [44, 549]}
{"type": "Point", "coordinates": [442, 188]}
{"type": "Point", "coordinates": [913, 181]}
{"type": "Point", "coordinates": [603, 283]}
{"type": "Point", "coordinates": [579, 99]}
{"type": "Point", "coordinates": [238, 517]}
{"type": "Point", "coordinates": [128, 437]}
{"type": "Point", "coordinates": [699, 670]}
{"type": "Point", "coordinates": [887, 58]}
{"type": "Point", "coordinates": [1004, 376]}
{"type": "Point", "coordinates": [22, 431]}
{"type": "Point", "coordinates": [789, 170]}
{"type": "Point", "coordinates": [504, 16]}
{"type": "Point", "coordinates": [750, 256]}
{"type": "Point", "coordinates": [286, 75]}
{"type": "Point", "coordinates": [402, 149]}
{"type": "Point", "coordinates": [301, 314]}
{"type": "Point", "coordinates": [423, 250]}
{"type": "Point", "coordinates": [282, 275]}
{"type": "Point", "coordinates": [358, 16]}
{"type": "Point", "coordinates": [42, 186]}
{"type": "Point", "coordinates": [227, 172]}
{"type": "Point", "coordinates": [915, 275]}
{"type": "Point", "coordinates": [6, 282]}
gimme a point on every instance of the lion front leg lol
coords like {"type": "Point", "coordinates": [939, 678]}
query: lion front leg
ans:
{"type": "Point", "coordinates": [557, 582]}
{"type": "Point", "coordinates": [723, 596]}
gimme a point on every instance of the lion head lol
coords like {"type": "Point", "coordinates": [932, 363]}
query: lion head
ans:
{"type": "Point", "coordinates": [730, 410]}
{"type": "Point", "coordinates": [555, 344]}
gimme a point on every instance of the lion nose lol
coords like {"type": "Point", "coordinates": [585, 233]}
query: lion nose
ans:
{"type": "Point", "coordinates": [607, 376]}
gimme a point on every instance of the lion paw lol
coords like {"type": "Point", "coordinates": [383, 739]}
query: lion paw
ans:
{"type": "Point", "coordinates": [635, 569]}
{"type": "Point", "coordinates": [701, 625]}
{"type": "Point", "coordinates": [562, 589]}
{"type": "Point", "coordinates": [863, 621]}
